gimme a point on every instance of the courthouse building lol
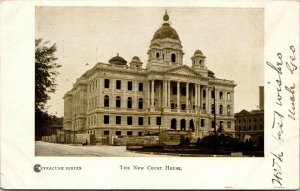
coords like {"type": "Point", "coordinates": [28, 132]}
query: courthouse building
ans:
{"type": "Point", "coordinates": [134, 99]}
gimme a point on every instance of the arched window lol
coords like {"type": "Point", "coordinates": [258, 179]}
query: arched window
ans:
{"type": "Point", "coordinates": [192, 127]}
{"type": "Point", "coordinates": [129, 102]}
{"type": "Point", "coordinates": [182, 124]}
{"type": "Point", "coordinates": [173, 124]}
{"type": "Point", "coordinates": [141, 103]}
{"type": "Point", "coordinates": [173, 58]}
{"type": "Point", "coordinates": [157, 55]}
{"type": "Point", "coordinates": [204, 106]}
{"type": "Point", "coordinates": [118, 102]}
{"type": "Point", "coordinates": [228, 110]}
{"type": "Point", "coordinates": [106, 101]}
{"type": "Point", "coordinates": [200, 61]}
{"type": "Point", "coordinates": [221, 109]}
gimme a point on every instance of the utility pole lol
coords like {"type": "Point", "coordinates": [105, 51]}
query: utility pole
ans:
{"type": "Point", "coordinates": [160, 125]}
{"type": "Point", "coordinates": [74, 129]}
{"type": "Point", "coordinates": [215, 120]}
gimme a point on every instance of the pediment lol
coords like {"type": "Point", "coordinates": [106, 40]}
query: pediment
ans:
{"type": "Point", "coordinates": [183, 70]}
{"type": "Point", "coordinates": [243, 112]}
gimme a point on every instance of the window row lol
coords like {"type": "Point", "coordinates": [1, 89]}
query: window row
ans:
{"type": "Point", "coordinates": [249, 120]}
{"type": "Point", "coordinates": [221, 124]}
{"type": "Point", "coordinates": [220, 109]}
{"type": "Point", "coordinates": [119, 133]}
{"type": "Point", "coordinates": [119, 85]}
{"type": "Point", "coordinates": [129, 120]}
{"type": "Point", "coordinates": [118, 102]}
{"type": "Point", "coordinates": [220, 97]}
{"type": "Point", "coordinates": [244, 128]}
{"type": "Point", "coordinates": [162, 56]}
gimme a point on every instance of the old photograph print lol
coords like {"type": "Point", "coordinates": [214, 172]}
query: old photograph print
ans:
{"type": "Point", "coordinates": [157, 82]}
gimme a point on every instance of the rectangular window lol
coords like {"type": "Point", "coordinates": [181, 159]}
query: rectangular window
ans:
{"type": "Point", "coordinates": [221, 95]}
{"type": "Point", "coordinates": [149, 120]}
{"type": "Point", "coordinates": [129, 120]}
{"type": "Point", "coordinates": [158, 120]}
{"type": "Point", "coordinates": [118, 120]}
{"type": "Point", "coordinates": [141, 121]}
{"type": "Point", "coordinates": [118, 132]}
{"type": "Point", "coordinates": [228, 96]}
{"type": "Point", "coordinates": [204, 93]}
{"type": "Point", "coordinates": [212, 124]}
{"type": "Point", "coordinates": [212, 94]}
{"type": "Point", "coordinates": [106, 83]}
{"type": "Point", "coordinates": [183, 91]}
{"type": "Point", "coordinates": [106, 132]}
{"type": "Point", "coordinates": [202, 122]}
{"type": "Point", "coordinates": [174, 90]}
{"type": "Point", "coordinates": [140, 133]}
{"type": "Point", "coordinates": [141, 87]}
{"type": "Point", "coordinates": [183, 106]}
{"type": "Point", "coordinates": [129, 133]}
{"type": "Point", "coordinates": [106, 119]}
{"type": "Point", "coordinates": [118, 84]}
{"type": "Point", "coordinates": [129, 87]}
{"type": "Point", "coordinates": [172, 105]}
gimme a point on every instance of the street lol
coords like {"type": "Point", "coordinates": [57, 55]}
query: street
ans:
{"type": "Point", "coordinates": [55, 149]}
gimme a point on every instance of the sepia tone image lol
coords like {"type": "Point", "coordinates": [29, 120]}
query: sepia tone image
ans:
{"type": "Point", "coordinates": [157, 82]}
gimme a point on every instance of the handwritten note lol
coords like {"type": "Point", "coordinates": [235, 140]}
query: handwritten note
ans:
{"type": "Point", "coordinates": [284, 67]}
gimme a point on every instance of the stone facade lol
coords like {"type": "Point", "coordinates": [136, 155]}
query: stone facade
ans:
{"type": "Point", "coordinates": [250, 125]}
{"type": "Point", "coordinates": [120, 99]}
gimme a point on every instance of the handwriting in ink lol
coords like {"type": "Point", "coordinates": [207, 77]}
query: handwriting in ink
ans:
{"type": "Point", "coordinates": [278, 69]}
{"type": "Point", "coordinates": [277, 176]}
{"type": "Point", "coordinates": [277, 122]}
{"type": "Point", "coordinates": [291, 111]}
{"type": "Point", "coordinates": [290, 65]}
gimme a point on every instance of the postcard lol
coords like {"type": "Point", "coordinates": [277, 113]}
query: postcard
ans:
{"type": "Point", "coordinates": [150, 95]}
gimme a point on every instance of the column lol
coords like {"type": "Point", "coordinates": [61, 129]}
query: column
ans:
{"type": "Point", "coordinates": [207, 100]}
{"type": "Point", "coordinates": [178, 92]}
{"type": "Point", "coordinates": [152, 93]}
{"type": "Point", "coordinates": [165, 91]}
{"type": "Point", "coordinates": [196, 94]}
{"type": "Point", "coordinates": [169, 93]}
{"type": "Point", "coordinates": [201, 97]}
{"type": "Point", "coordinates": [187, 96]}
{"type": "Point", "coordinates": [159, 96]}
{"type": "Point", "coordinates": [148, 94]}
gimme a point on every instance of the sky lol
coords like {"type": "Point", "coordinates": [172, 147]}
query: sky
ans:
{"type": "Point", "coordinates": [232, 39]}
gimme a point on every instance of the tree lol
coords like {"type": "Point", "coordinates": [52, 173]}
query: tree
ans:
{"type": "Point", "coordinates": [45, 73]}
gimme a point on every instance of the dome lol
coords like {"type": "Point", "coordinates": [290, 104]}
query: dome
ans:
{"type": "Point", "coordinates": [166, 31]}
{"type": "Point", "coordinates": [199, 53]}
{"type": "Point", "coordinates": [135, 58]}
{"type": "Point", "coordinates": [211, 74]}
{"type": "Point", "coordinates": [118, 60]}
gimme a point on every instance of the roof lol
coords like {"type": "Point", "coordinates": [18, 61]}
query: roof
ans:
{"type": "Point", "coordinates": [166, 31]}
{"type": "Point", "coordinates": [118, 60]}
